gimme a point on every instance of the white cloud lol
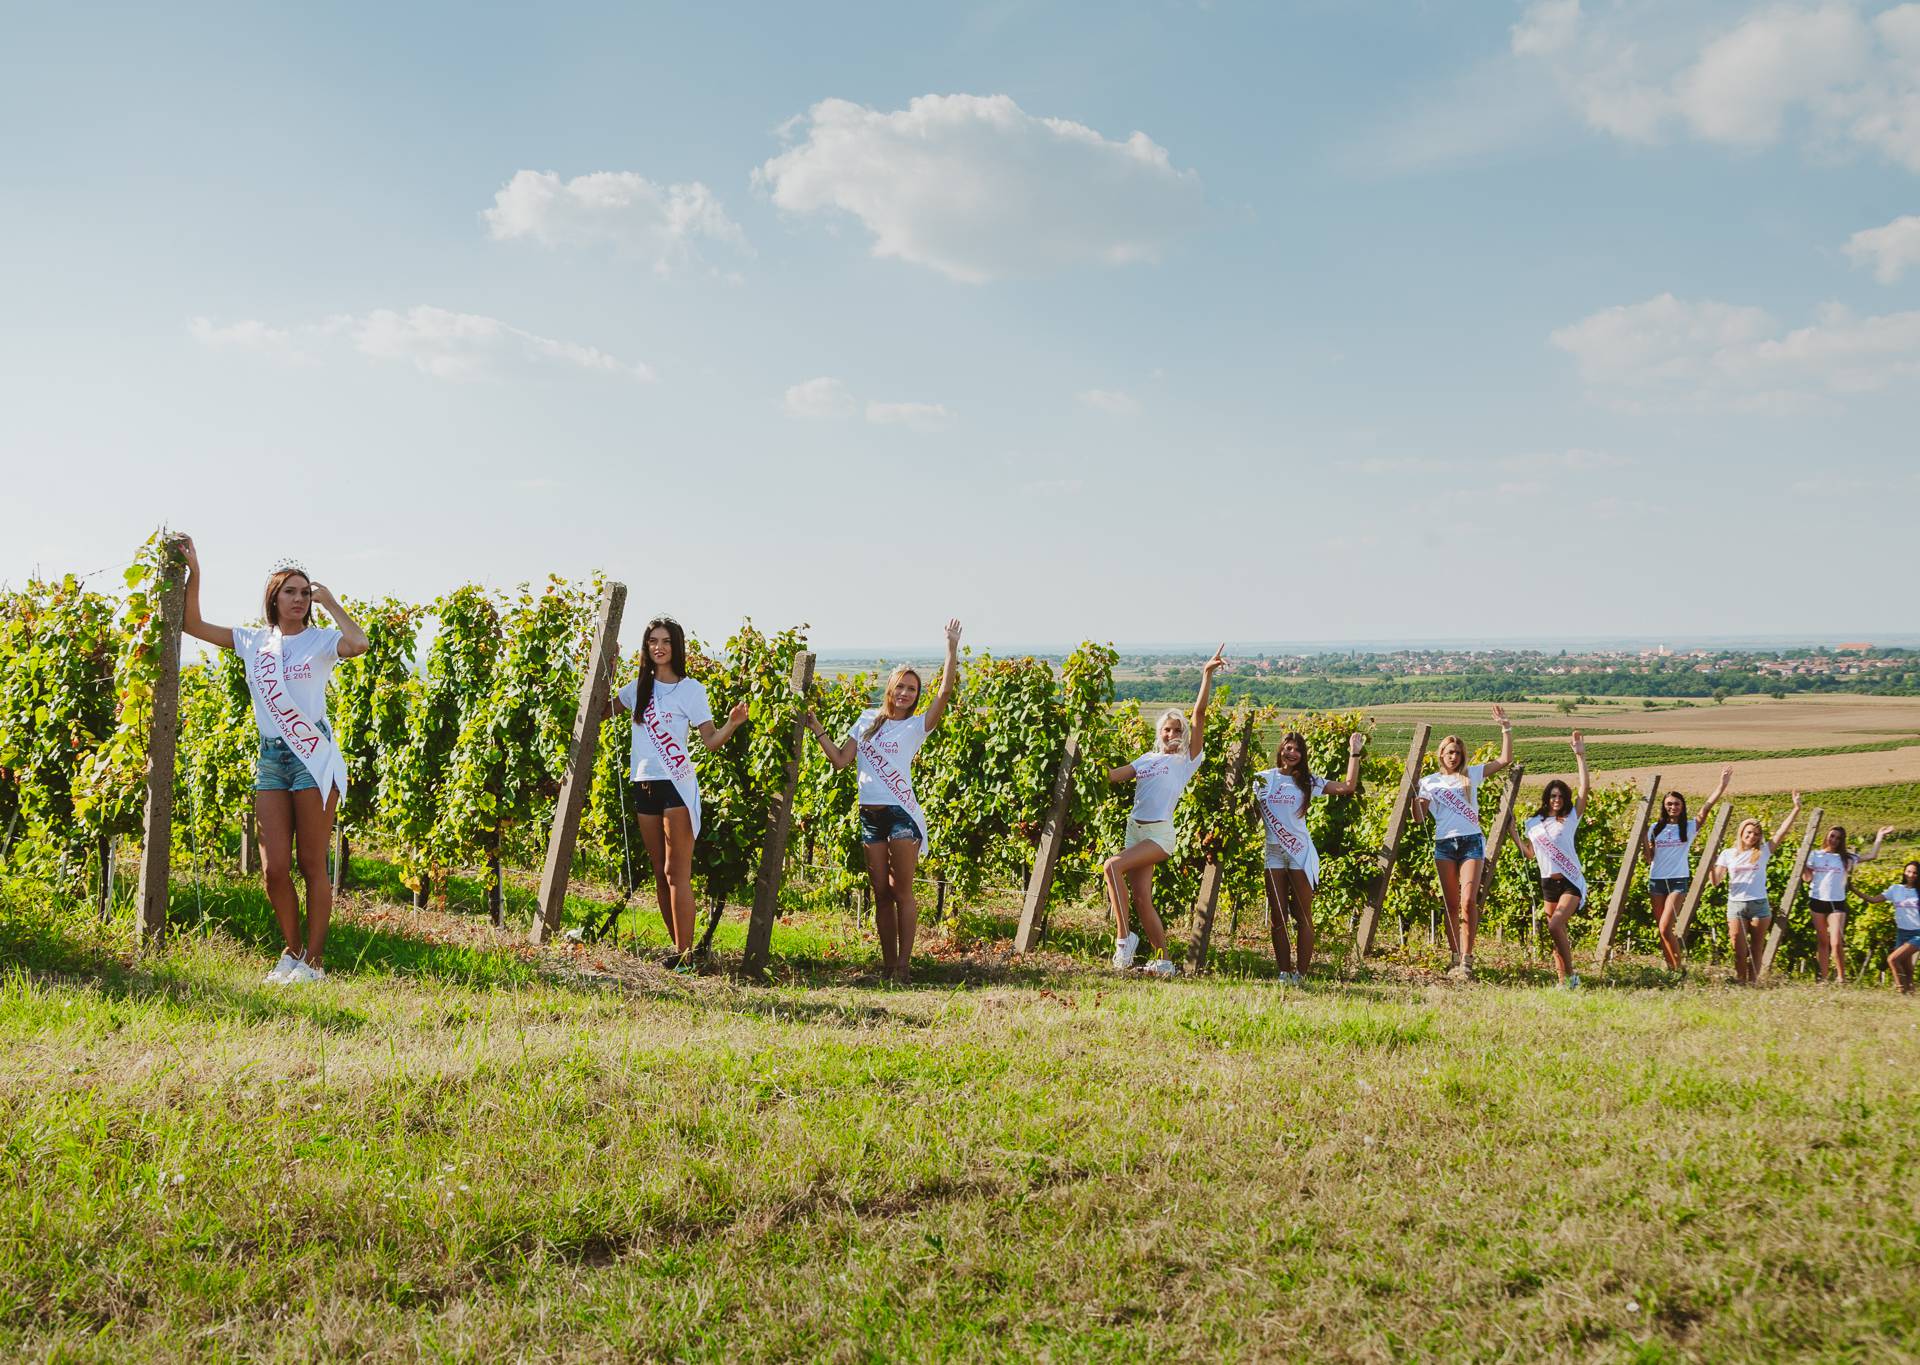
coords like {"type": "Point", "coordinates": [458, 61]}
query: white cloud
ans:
{"type": "Point", "coordinates": [662, 224]}
{"type": "Point", "coordinates": [1571, 461]}
{"type": "Point", "coordinates": [1637, 70]}
{"type": "Point", "coordinates": [1889, 250]}
{"type": "Point", "coordinates": [819, 398]}
{"type": "Point", "coordinates": [1716, 355]}
{"type": "Point", "coordinates": [435, 341]}
{"type": "Point", "coordinates": [919, 416]}
{"type": "Point", "coordinates": [1118, 402]}
{"type": "Point", "coordinates": [978, 189]}
{"type": "Point", "coordinates": [1378, 465]}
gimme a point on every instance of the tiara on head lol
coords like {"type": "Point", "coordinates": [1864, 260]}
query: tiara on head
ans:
{"type": "Point", "coordinates": [287, 565]}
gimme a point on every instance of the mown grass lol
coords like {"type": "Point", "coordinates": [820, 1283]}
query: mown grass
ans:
{"type": "Point", "coordinates": [463, 1150]}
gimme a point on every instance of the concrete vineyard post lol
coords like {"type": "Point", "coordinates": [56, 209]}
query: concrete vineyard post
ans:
{"type": "Point", "coordinates": [341, 852]}
{"type": "Point", "coordinates": [773, 855]}
{"type": "Point", "coordinates": [496, 887]}
{"type": "Point", "coordinates": [1209, 898]}
{"type": "Point", "coordinates": [1702, 874]}
{"type": "Point", "coordinates": [1789, 895]}
{"type": "Point", "coordinates": [246, 841]}
{"type": "Point", "coordinates": [1389, 849]}
{"type": "Point", "coordinates": [156, 852]}
{"type": "Point", "coordinates": [577, 780]}
{"type": "Point", "coordinates": [106, 876]}
{"type": "Point", "coordinates": [1053, 839]}
{"type": "Point", "coordinates": [1502, 826]}
{"type": "Point", "coordinates": [1635, 837]}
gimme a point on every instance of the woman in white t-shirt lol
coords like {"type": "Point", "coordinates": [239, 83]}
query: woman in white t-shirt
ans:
{"type": "Point", "coordinates": [667, 707]}
{"type": "Point", "coordinates": [1450, 795]}
{"type": "Point", "coordinates": [1744, 869]}
{"type": "Point", "coordinates": [1904, 897]}
{"type": "Point", "coordinates": [1550, 841]}
{"type": "Point", "coordinates": [1159, 776]}
{"type": "Point", "coordinates": [1669, 868]}
{"type": "Point", "coordinates": [299, 776]}
{"type": "Point", "coordinates": [893, 828]}
{"type": "Point", "coordinates": [1828, 869]}
{"type": "Point", "coordinates": [1282, 794]}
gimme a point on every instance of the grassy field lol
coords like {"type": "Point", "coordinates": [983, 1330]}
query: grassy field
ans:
{"type": "Point", "coordinates": [463, 1149]}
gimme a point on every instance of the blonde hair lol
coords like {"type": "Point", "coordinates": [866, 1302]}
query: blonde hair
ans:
{"type": "Point", "coordinates": [1441, 748]}
{"type": "Point", "coordinates": [1739, 835]}
{"type": "Point", "coordinates": [881, 717]}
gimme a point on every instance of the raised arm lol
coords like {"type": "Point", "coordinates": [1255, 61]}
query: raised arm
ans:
{"type": "Point", "coordinates": [839, 755]}
{"type": "Point", "coordinates": [1348, 785]}
{"type": "Point", "coordinates": [1879, 838]}
{"type": "Point", "coordinates": [949, 675]}
{"type": "Point", "coordinates": [1506, 742]}
{"type": "Point", "coordinates": [191, 621]}
{"type": "Point", "coordinates": [714, 736]}
{"type": "Point", "coordinates": [1726, 780]}
{"type": "Point", "coordinates": [353, 640]}
{"type": "Point", "coordinates": [1197, 732]}
{"type": "Point", "coordinates": [1787, 824]}
{"type": "Point", "coordinates": [1586, 778]}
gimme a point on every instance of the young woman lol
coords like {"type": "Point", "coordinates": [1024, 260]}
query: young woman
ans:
{"type": "Point", "coordinates": [1451, 796]}
{"type": "Point", "coordinates": [893, 828]}
{"type": "Point", "coordinates": [1744, 869]}
{"type": "Point", "coordinates": [1550, 840]}
{"type": "Point", "coordinates": [1904, 897]}
{"type": "Point", "coordinates": [299, 776]}
{"type": "Point", "coordinates": [1159, 776]}
{"type": "Point", "coordinates": [1669, 867]}
{"type": "Point", "coordinates": [1293, 864]}
{"type": "Point", "coordinates": [667, 706]}
{"type": "Point", "coordinates": [1828, 869]}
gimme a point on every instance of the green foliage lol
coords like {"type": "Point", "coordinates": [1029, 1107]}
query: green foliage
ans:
{"type": "Point", "coordinates": [218, 746]}
{"type": "Point", "coordinates": [109, 798]}
{"type": "Point", "coordinates": [369, 705]}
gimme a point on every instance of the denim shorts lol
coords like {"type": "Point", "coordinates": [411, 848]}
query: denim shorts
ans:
{"type": "Point", "coordinates": [884, 824]}
{"type": "Point", "coordinates": [1906, 938]}
{"type": "Point", "coordinates": [1749, 910]}
{"type": "Point", "coordinates": [1668, 886]}
{"type": "Point", "coordinates": [279, 768]}
{"type": "Point", "coordinates": [1460, 848]}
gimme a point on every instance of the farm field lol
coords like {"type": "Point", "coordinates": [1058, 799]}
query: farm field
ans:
{"type": "Point", "coordinates": [462, 1148]}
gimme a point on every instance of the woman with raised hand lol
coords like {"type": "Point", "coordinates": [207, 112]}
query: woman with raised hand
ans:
{"type": "Point", "coordinates": [1451, 796]}
{"type": "Point", "coordinates": [1283, 793]}
{"type": "Point", "coordinates": [1550, 841]}
{"type": "Point", "coordinates": [1828, 869]}
{"type": "Point", "coordinates": [1669, 847]}
{"type": "Point", "coordinates": [1904, 897]}
{"type": "Point", "coordinates": [1749, 913]}
{"type": "Point", "coordinates": [1159, 776]}
{"type": "Point", "coordinates": [667, 706]}
{"type": "Point", "coordinates": [299, 775]}
{"type": "Point", "coordinates": [893, 828]}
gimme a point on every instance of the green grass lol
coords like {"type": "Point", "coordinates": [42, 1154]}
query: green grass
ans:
{"type": "Point", "coordinates": [464, 1150]}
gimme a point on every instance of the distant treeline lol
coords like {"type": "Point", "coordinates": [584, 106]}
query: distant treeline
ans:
{"type": "Point", "coordinates": [1327, 694]}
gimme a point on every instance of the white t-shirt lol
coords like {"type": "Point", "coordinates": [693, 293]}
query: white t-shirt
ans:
{"type": "Point", "coordinates": [1158, 780]}
{"type": "Point", "coordinates": [1746, 871]}
{"type": "Point", "coordinates": [307, 660]}
{"type": "Point", "coordinates": [681, 706]}
{"type": "Point", "coordinates": [898, 741]}
{"type": "Point", "coordinates": [1906, 907]}
{"type": "Point", "coordinates": [1829, 875]}
{"type": "Point", "coordinates": [1283, 819]}
{"type": "Point", "coordinates": [1670, 846]}
{"type": "Point", "coordinates": [1455, 808]}
{"type": "Point", "coordinates": [1554, 849]}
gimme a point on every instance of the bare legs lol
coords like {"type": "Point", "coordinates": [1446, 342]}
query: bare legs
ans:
{"type": "Point", "coordinates": [1131, 874]}
{"type": "Point", "coordinates": [896, 914]}
{"type": "Point", "coordinates": [1460, 887]}
{"type": "Point", "coordinates": [669, 841]}
{"type": "Point", "coordinates": [290, 820]}
{"type": "Point", "coordinates": [1290, 896]}
{"type": "Point", "coordinates": [1665, 910]}
{"type": "Point", "coordinates": [1900, 963]}
{"type": "Point", "coordinates": [1748, 939]}
{"type": "Point", "coordinates": [1830, 940]}
{"type": "Point", "coordinates": [1558, 913]}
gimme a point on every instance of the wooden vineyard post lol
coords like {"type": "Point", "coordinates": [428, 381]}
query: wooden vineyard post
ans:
{"type": "Point", "coordinates": [1209, 898]}
{"type": "Point", "coordinates": [1497, 836]}
{"type": "Point", "coordinates": [106, 876]}
{"type": "Point", "coordinates": [157, 850]}
{"type": "Point", "coordinates": [1046, 858]}
{"type": "Point", "coordinates": [1789, 896]}
{"type": "Point", "coordinates": [1389, 850]}
{"type": "Point", "coordinates": [773, 855]}
{"type": "Point", "coordinates": [577, 780]}
{"type": "Point", "coordinates": [1702, 874]}
{"type": "Point", "coordinates": [341, 853]}
{"type": "Point", "coordinates": [1635, 838]}
{"type": "Point", "coordinates": [246, 841]}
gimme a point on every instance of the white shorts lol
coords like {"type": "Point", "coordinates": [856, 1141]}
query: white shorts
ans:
{"type": "Point", "coordinates": [1279, 860]}
{"type": "Point", "coordinates": [1158, 832]}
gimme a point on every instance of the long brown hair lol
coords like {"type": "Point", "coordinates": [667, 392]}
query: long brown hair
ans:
{"type": "Point", "coordinates": [1653, 835]}
{"type": "Point", "coordinates": [276, 581]}
{"type": "Point", "coordinates": [881, 717]}
{"type": "Point", "coordinates": [677, 641]}
{"type": "Point", "coordinates": [1302, 776]}
{"type": "Point", "coordinates": [1847, 856]}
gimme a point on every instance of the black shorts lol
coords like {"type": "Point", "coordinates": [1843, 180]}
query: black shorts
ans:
{"type": "Point", "coordinates": [1554, 887]}
{"type": "Point", "coordinates": [1829, 907]}
{"type": "Point", "coordinates": [655, 798]}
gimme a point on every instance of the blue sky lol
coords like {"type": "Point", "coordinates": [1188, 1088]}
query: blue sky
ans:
{"type": "Point", "coordinates": [1143, 322]}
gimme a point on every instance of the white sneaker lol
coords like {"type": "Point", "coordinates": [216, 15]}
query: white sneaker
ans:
{"type": "Point", "coordinates": [282, 970]}
{"type": "Point", "coordinates": [1124, 950]}
{"type": "Point", "coordinates": [1572, 983]}
{"type": "Point", "coordinates": [305, 974]}
{"type": "Point", "coordinates": [1160, 966]}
